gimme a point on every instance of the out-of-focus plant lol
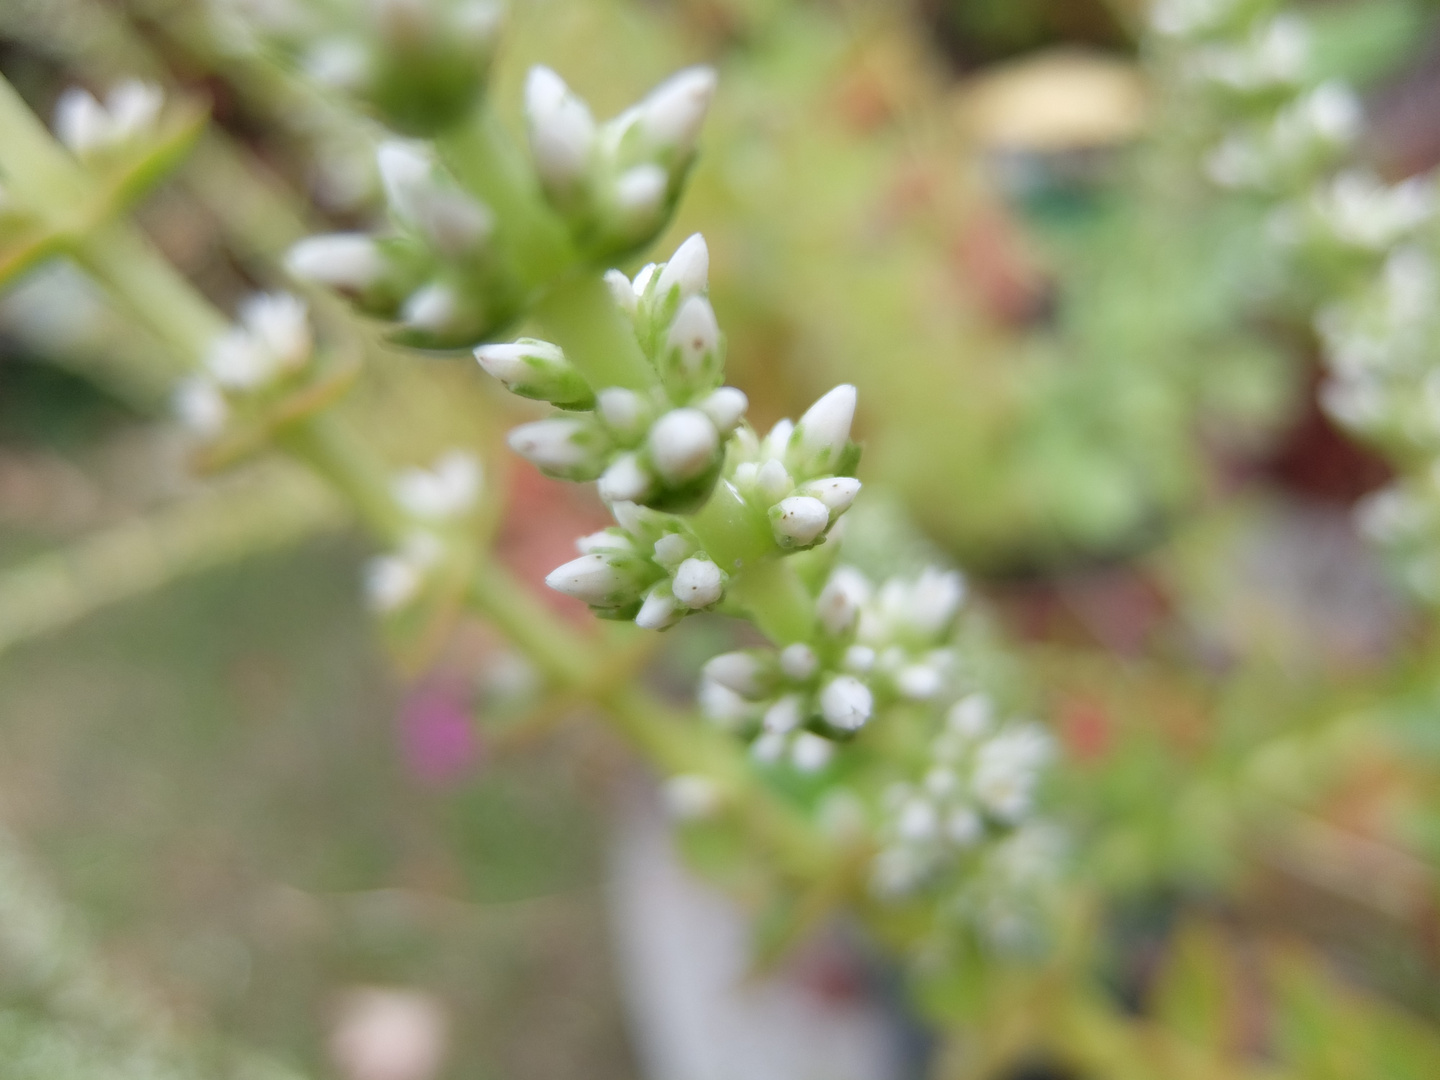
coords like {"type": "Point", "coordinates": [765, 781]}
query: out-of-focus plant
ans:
{"type": "Point", "coordinates": [878, 753]}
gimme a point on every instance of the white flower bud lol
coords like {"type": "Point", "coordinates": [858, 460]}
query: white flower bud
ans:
{"type": "Point", "coordinates": [448, 218]}
{"type": "Point", "coordinates": [446, 491]}
{"type": "Point", "coordinates": [738, 671]}
{"type": "Point", "coordinates": [798, 521]}
{"type": "Point", "coordinates": [349, 261]}
{"type": "Point", "coordinates": [623, 411]}
{"type": "Point", "coordinates": [431, 308]}
{"type": "Point", "coordinates": [279, 323]}
{"type": "Point", "coordinates": [672, 549]}
{"type": "Point", "coordinates": [919, 682]}
{"type": "Point", "coordinates": [822, 432]}
{"type": "Point", "coordinates": [694, 334]}
{"type": "Point", "coordinates": [626, 480]}
{"type": "Point", "coordinates": [698, 583]}
{"type": "Point", "coordinates": [798, 661]}
{"type": "Point", "coordinates": [642, 279]}
{"type": "Point", "coordinates": [846, 703]}
{"type": "Point", "coordinates": [596, 579]}
{"type": "Point", "coordinates": [840, 601]}
{"type": "Point", "coordinates": [723, 705]}
{"type": "Point", "coordinates": [611, 540]}
{"type": "Point", "coordinates": [775, 443]}
{"type": "Point", "coordinates": [134, 106]}
{"type": "Point", "coordinates": [784, 715]}
{"type": "Point", "coordinates": [561, 128]}
{"type": "Point", "coordinates": [810, 753]}
{"type": "Point", "coordinates": [836, 492]}
{"type": "Point", "coordinates": [725, 407]}
{"type": "Point", "coordinates": [390, 583]}
{"type": "Point", "coordinates": [683, 445]}
{"type": "Point", "coordinates": [859, 659]}
{"type": "Point", "coordinates": [559, 444]}
{"type": "Point", "coordinates": [660, 611]}
{"type": "Point", "coordinates": [536, 369]}
{"type": "Point", "coordinates": [672, 114]}
{"type": "Point", "coordinates": [688, 270]}
{"type": "Point", "coordinates": [639, 193]}
{"type": "Point", "coordinates": [934, 599]}
{"type": "Point", "coordinates": [81, 122]}
{"type": "Point", "coordinates": [772, 482]}
{"type": "Point", "coordinates": [621, 291]}
{"type": "Point", "coordinates": [85, 126]}
{"type": "Point", "coordinates": [239, 362]}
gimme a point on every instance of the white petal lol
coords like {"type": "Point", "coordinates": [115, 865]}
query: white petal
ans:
{"type": "Point", "coordinates": [846, 703]}
{"type": "Point", "coordinates": [673, 113]}
{"type": "Point", "coordinates": [683, 444]}
{"type": "Point", "coordinates": [688, 269]}
{"type": "Point", "coordinates": [798, 661]}
{"type": "Point", "coordinates": [339, 260]}
{"type": "Point", "coordinates": [725, 407]}
{"type": "Point", "coordinates": [799, 520]}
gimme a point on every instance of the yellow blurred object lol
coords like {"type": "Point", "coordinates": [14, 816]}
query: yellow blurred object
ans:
{"type": "Point", "coordinates": [1064, 99]}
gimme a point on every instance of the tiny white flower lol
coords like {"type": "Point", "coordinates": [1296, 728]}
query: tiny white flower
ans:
{"type": "Point", "coordinates": [698, 583]}
{"type": "Point", "coordinates": [561, 128]}
{"type": "Point", "coordinates": [810, 753]}
{"type": "Point", "coordinates": [846, 703]}
{"type": "Point", "coordinates": [625, 480]}
{"type": "Point", "coordinates": [340, 260]}
{"type": "Point", "coordinates": [86, 126]}
{"type": "Point", "coordinates": [688, 270]}
{"type": "Point", "coordinates": [799, 520]}
{"type": "Point", "coordinates": [639, 194]}
{"type": "Point", "coordinates": [454, 222]}
{"type": "Point", "coordinates": [935, 597]}
{"type": "Point", "coordinates": [390, 583]}
{"type": "Point", "coordinates": [672, 114]}
{"type": "Point", "coordinates": [683, 445]}
{"type": "Point", "coordinates": [660, 610]}
{"type": "Point", "coordinates": [798, 661]}
{"type": "Point", "coordinates": [963, 827]}
{"type": "Point", "coordinates": [725, 407]}
{"type": "Point", "coordinates": [431, 308]}
{"type": "Point", "coordinates": [239, 362]}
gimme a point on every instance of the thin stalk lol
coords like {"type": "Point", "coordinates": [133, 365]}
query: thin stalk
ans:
{"type": "Point", "coordinates": [579, 315]}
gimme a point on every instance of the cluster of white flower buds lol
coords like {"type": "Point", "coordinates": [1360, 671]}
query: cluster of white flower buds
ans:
{"type": "Point", "coordinates": [649, 567]}
{"type": "Point", "coordinates": [436, 502]}
{"type": "Point", "coordinates": [418, 64]}
{"type": "Point", "coordinates": [1368, 247]}
{"type": "Point", "coordinates": [91, 129]}
{"type": "Point", "coordinates": [979, 785]}
{"type": "Point", "coordinates": [268, 349]}
{"type": "Point", "coordinates": [872, 647]}
{"type": "Point", "coordinates": [659, 450]}
{"type": "Point", "coordinates": [615, 183]}
{"type": "Point", "coordinates": [434, 273]}
{"type": "Point", "coordinates": [661, 446]}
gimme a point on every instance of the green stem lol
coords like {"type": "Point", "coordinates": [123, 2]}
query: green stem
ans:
{"type": "Point", "coordinates": [485, 158]}
{"type": "Point", "coordinates": [579, 315]}
{"type": "Point", "coordinates": [776, 600]}
{"type": "Point", "coordinates": [558, 651]}
{"type": "Point", "coordinates": [338, 455]}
